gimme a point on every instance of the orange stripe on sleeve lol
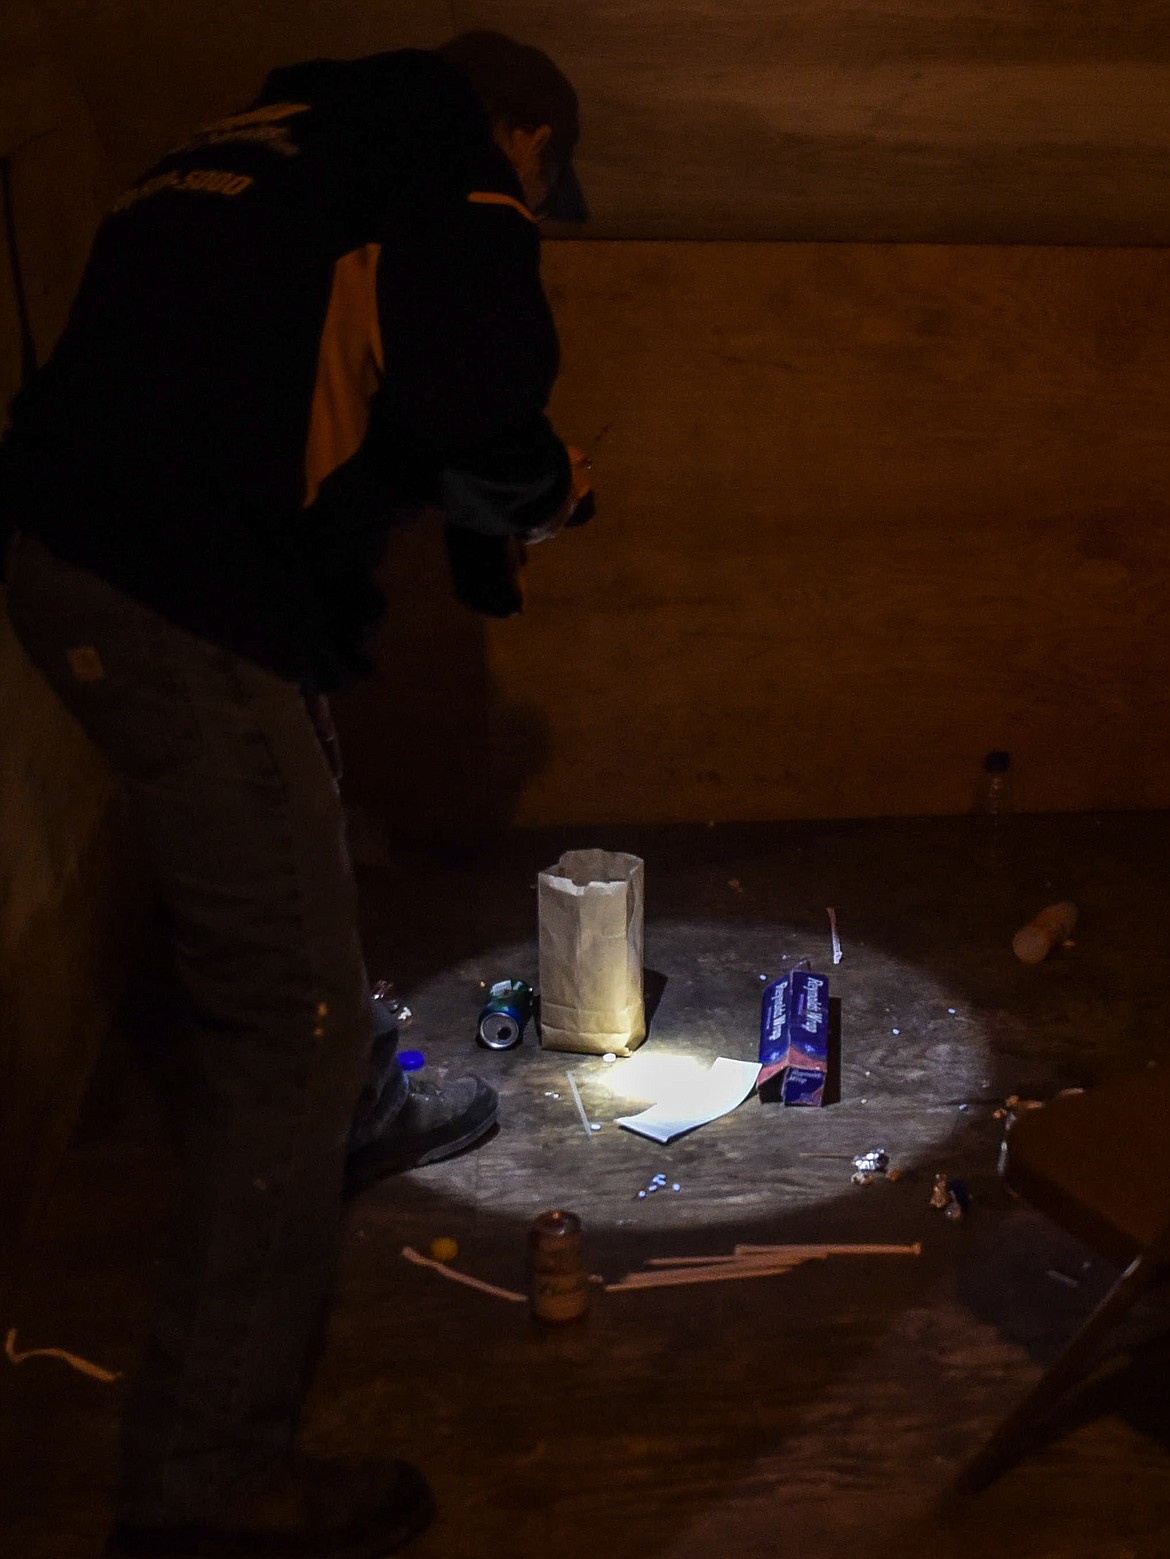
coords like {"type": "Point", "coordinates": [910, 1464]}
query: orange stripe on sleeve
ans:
{"type": "Point", "coordinates": [350, 367]}
{"type": "Point", "coordinates": [490, 197]}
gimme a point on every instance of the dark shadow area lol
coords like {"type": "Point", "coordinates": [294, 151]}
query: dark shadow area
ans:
{"type": "Point", "coordinates": [413, 735]}
{"type": "Point", "coordinates": [1038, 1285]}
{"type": "Point", "coordinates": [434, 756]}
{"type": "Point", "coordinates": [1132, 1382]}
{"type": "Point", "coordinates": [653, 990]}
{"type": "Point", "coordinates": [832, 1089]}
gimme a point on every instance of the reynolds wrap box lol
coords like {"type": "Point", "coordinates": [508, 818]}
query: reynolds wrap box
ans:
{"type": "Point", "coordinates": [794, 1039]}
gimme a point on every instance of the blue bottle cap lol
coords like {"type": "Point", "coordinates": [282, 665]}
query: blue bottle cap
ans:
{"type": "Point", "coordinates": [411, 1060]}
{"type": "Point", "coordinates": [997, 762]}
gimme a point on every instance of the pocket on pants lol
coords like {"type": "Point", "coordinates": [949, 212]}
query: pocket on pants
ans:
{"type": "Point", "coordinates": [114, 664]}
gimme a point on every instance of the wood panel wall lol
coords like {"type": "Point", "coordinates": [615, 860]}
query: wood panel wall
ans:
{"type": "Point", "coordinates": [1000, 121]}
{"type": "Point", "coordinates": [956, 121]}
{"type": "Point", "coordinates": [866, 512]}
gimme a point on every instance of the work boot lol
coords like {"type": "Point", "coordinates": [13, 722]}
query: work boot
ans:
{"type": "Point", "coordinates": [433, 1124]}
{"type": "Point", "coordinates": [312, 1510]}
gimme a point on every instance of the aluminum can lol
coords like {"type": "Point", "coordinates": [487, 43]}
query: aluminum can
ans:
{"type": "Point", "coordinates": [502, 1021]}
{"type": "Point", "coordinates": [558, 1284]}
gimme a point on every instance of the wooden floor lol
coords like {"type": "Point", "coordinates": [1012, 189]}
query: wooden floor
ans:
{"type": "Point", "coordinates": [820, 1413]}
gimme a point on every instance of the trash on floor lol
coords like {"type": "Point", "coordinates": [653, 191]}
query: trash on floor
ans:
{"type": "Point", "coordinates": [383, 991]}
{"type": "Point", "coordinates": [1063, 1277]}
{"type": "Point", "coordinates": [865, 1165]}
{"type": "Point", "coordinates": [591, 920]}
{"type": "Point", "coordinates": [747, 1261]}
{"type": "Point", "coordinates": [558, 1284]}
{"type": "Point", "coordinates": [655, 1183]}
{"type": "Point", "coordinates": [505, 1014]}
{"type": "Point", "coordinates": [462, 1277]}
{"type": "Point", "coordinates": [960, 1203]}
{"type": "Point", "coordinates": [590, 1126]}
{"type": "Point", "coordinates": [834, 936]}
{"type": "Point", "coordinates": [74, 1361]}
{"type": "Point", "coordinates": [951, 1197]}
{"type": "Point", "coordinates": [1013, 1105]}
{"type": "Point", "coordinates": [1056, 923]}
{"type": "Point", "coordinates": [695, 1099]}
{"type": "Point", "coordinates": [794, 1038]}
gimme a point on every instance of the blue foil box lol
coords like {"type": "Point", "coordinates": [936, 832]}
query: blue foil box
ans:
{"type": "Point", "coordinates": [794, 1038]}
{"type": "Point", "coordinates": [773, 1019]}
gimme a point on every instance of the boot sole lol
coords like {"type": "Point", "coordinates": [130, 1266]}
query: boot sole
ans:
{"type": "Point", "coordinates": [367, 1167]}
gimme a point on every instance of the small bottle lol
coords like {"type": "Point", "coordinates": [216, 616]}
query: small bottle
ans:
{"type": "Point", "coordinates": [558, 1285]}
{"type": "Point", "coordinates": [1033, 943]}
{"type": "Point", "coordinates": [993, 795]}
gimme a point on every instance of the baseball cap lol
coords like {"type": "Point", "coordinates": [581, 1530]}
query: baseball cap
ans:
{"type": "Point", "coordinates": [520, 85]}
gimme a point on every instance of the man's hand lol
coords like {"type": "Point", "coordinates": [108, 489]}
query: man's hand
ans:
{"type": "Point", "coordinates": [579, 501]}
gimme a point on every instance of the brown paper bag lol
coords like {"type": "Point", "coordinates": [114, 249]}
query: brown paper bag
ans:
{"type": "Point", "coordinates": [591, 918]}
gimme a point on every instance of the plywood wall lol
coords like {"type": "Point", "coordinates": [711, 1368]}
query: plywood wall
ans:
{"type": "Point", "coordinates": [152, 71]}
{"type": "Point", "coordinates": [866, 512]}
{"type": "Point", "coordinates": [1003, 121]}
{"type": "Point", "coordinates": [960, 121]}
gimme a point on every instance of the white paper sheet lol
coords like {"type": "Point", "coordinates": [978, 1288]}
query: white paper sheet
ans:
{"type": "Point", "coordinates": [713, 1093]}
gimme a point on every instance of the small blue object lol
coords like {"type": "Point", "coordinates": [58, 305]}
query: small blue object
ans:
{"type": "Point", "coordinates": [794, 1038]}
{"type": "Point", "coordinates": [411, 1060]}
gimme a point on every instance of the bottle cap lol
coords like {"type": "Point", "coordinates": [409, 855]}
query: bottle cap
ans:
{"type": "Point", "coordinates": [411, 1060]}
{"type": "Point", "coordinates": [997, 762]}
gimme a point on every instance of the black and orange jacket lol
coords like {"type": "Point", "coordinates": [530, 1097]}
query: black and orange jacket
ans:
{"type": "Point", "coordinates": [306, 320]}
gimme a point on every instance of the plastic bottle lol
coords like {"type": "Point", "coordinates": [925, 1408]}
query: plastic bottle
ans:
{"type": "Point", "coordinates": [993, 795]}
{"type": "Point", "coordinates": [1032, 943]}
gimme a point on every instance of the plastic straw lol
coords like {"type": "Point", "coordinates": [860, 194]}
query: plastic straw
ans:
{"type": "Point", "coordinates": [585, 1121]}
{"type": "Point", "coordinates": [461, 1277]}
